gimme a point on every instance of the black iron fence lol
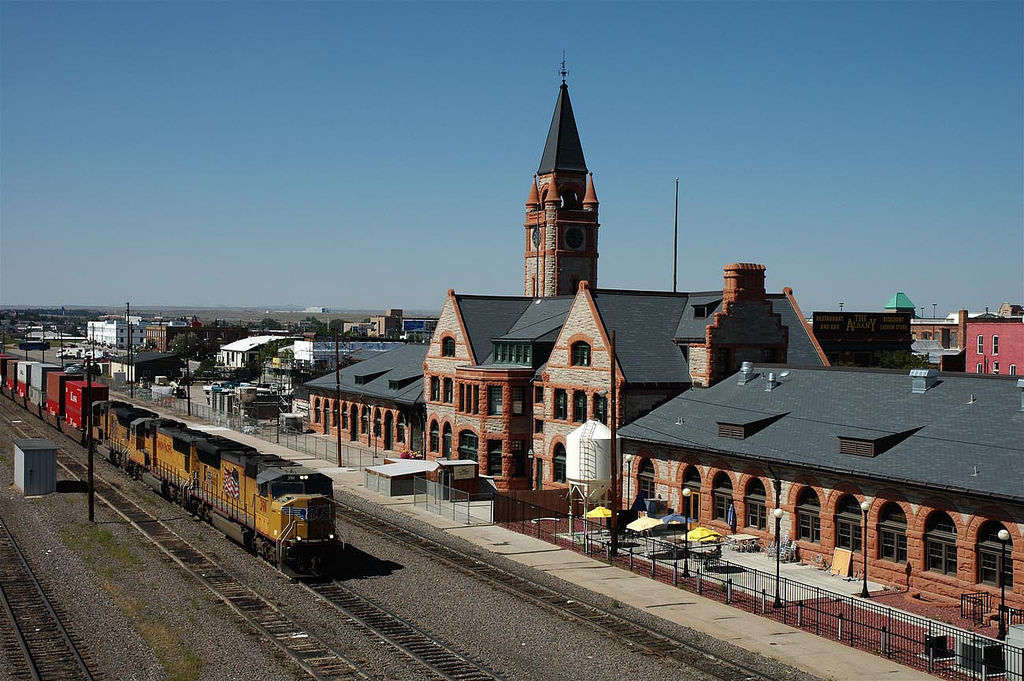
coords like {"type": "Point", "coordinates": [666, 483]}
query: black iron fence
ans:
{"type": "Point", "coordinates": [938, 647]}
{"type": "Point", "coordinates": [974, 606]}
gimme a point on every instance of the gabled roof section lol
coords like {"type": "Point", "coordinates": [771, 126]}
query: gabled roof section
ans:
{"type": "Point", "coordinates": [563, 150]}
{"type": "Point", "coordinates": [487, 318]}
{"type": "Point", "coordinates": [542, 320]}
{"type": "Point", "coordinates": [389, 375]}
{"type": "Point", "coordinates": [802, 350]}
{"type": "Point", "coordinates": [644, 325]}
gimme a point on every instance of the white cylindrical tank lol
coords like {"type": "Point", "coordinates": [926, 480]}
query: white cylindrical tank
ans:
{"type": "Point", "coordinates": [588, 462]}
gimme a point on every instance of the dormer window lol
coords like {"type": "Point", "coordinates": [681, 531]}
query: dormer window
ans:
{"type": "Point", "coordinates": [448, 347]}
{"type": "Point", "coordinates": [506, 352]}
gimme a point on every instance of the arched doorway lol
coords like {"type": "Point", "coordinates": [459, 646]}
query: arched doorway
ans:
{"type": "Point", "coordinates": [388, 430]}
{"type": "Point", "coordinates": [327, 417]}
{"type": "Point", "coordinates": [353, 421]}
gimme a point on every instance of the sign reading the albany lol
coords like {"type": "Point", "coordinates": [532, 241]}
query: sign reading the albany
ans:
{"type": "Point", "coordinates": [892, 326]}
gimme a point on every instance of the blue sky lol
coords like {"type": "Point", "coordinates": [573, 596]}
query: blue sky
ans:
{"type": "Point", "coordinates": [374, 155]}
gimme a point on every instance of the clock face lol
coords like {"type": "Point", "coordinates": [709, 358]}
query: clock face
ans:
{"type": "Point", "coordinates": [536, 237]}
{"type": "Point", "coordinates": [574, 238]}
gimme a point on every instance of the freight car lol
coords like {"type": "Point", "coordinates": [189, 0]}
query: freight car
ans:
{"type": "Point", "coordinates": [276, 508]}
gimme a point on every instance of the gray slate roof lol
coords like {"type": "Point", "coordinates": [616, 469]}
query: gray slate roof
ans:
{"type": "Point", "coordinates": [403, 364]}
{"type": "Point", "coordinates": [974, 447]}
{"type": "Point", "coordinates": [647, 325]}
{"type": "Point", "coordinates": [563, 150]}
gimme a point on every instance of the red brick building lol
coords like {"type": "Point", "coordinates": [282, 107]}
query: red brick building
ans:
{"type": "Point", "coordinates": [995, 345]}
{"type": "Point", "coordinates": [938, 457]}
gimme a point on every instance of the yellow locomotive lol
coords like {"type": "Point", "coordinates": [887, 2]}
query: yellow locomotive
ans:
{"type": "Point", "coordinates": [280, 510]}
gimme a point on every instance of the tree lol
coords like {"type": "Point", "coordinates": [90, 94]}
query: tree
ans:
{"type": "Point", "coordinates": [185, 345]}
{"type": "Point", "coordinates": [902, 359]}
{"type": "Point", "coordinates": [270, 324]}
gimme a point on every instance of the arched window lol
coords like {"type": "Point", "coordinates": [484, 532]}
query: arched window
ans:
{"type": "Point", "coordinates": [940, 543]}
{"type": "Point", "coordinates": [645, 479]}
{"type": "Point", "coordinates": [808, 515]}
{"type": "Point", "coordinates": [990, 556]}
{"type": "Point", "coordinates": [722, 494]}
{"type": "Point", "coordinates": [344, 419]}
{"type": "Point", "coordinates": [558, 464]}
{"type": "Point", "coordinates": [581, 354]}
{"type": "Point", "coordinates": [376, 423]}
{"type": "Point", "coordinates": [892, 530]}
{"type": "Point", "coordinates": [692, 481]}
{"type": "Point", "coordinates": [757, 515]}
{"type": "Point", "coordinates": [601, 408]}
{"type": "Point", "coordinates": [434, 437]}
{"type": "Point", "coordinates": [446, 441]}
{"type": "Point", "coordinates": [448, 347]}
{"type": "Point", "coordinates": [848, 523]}
{"type": "Point", "coordinates": [364, 421]}
{"type": "Point", "coordinates": [400, 429]}
{"type": "Point", "coordinates": [579, 406]}
{"type": "Point", "coordinates": [316, 410]}
{"type": "Point", "coordinates": [469, 445]}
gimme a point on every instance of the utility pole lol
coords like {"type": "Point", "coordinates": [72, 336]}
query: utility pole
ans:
{"type": "Point", "coordinates": [131, 364]}
{"type": "Point", "coordinates": [337, 392]}
{"type": "Point", "coordinates": [616, 493]}
{"type": "Point", "coordinates": [88, 438]}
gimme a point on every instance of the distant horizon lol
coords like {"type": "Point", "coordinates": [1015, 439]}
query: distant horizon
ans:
{"type": "Point", "coordinates": [338, 151]}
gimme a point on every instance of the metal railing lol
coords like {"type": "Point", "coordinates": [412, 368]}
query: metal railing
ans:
{"type": "Point", "coordinates": [974, 606]}
{"type": "Point", "coordinates": [449, 502]}
{"type": "Point", "coordinates": [938, 647]}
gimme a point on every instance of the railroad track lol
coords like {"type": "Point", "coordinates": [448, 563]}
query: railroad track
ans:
{"type": "Point", "coordinates": [403, 634]}
{"type": "Point", "coordinates": [49, 649]}
{"type": "Point", "coordinates": [308, 651]}
{"type": "Point", "coordinates": [612, 625]}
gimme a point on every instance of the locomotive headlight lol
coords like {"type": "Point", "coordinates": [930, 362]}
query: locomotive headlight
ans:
{"type": "Point", "coordinates": [330, 536]}
{"type": "Point", "coordinates": [298, 537]}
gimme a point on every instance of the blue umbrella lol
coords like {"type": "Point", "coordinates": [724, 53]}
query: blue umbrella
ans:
{"type": "Point", "coordinates": [730, 518]}
{"type": "Point", "coordinates": [678, 519]}
{"type": "Point", "coordinates": [639, 504]}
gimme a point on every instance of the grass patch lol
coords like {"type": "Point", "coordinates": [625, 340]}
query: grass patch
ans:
{"type": "Point", "coordinates": [118, 571]}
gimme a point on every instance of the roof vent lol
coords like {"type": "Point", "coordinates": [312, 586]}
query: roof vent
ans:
{"type": "Point", "coordinates": [746, 373]}
{"type": "Point", "coordinates": [921, 380]}
{"type": "Point", "coordinates": [1020, 384]}
{"type": "Point", "coordinates": [771, 382]}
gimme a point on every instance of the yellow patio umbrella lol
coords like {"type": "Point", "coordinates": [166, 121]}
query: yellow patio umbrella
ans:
{"type": "Point", "coordinates": [644, 524]}
{"type": "Point", "coordinates": [703, 534]}
{"type": "Point", "coordinates": [599, 512]}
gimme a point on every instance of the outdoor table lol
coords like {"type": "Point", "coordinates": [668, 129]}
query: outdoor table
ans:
{"type": "Point", "coordinates": [744, 542]}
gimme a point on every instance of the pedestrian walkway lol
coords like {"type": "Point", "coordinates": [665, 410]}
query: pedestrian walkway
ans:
{"type": "Point", "coordinates": [803, 650]}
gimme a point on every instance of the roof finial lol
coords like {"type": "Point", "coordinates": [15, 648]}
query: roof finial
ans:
{"type": "Point", "coordinates": [563, 71]}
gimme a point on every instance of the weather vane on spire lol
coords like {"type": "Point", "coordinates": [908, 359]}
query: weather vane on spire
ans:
{"type": "Point", "coordinates": [563, 72]}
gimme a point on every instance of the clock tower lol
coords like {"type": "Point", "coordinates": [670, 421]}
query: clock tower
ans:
{"type": "Point", "coordinates": [561, 213]}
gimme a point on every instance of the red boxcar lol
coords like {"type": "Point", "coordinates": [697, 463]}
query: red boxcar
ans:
{"type": "Point", "coordinates": [11, 377]}
{"type": "Point", "coordinates": [3, 367]}
{"type": "Point", "coordinates": [78, 400]}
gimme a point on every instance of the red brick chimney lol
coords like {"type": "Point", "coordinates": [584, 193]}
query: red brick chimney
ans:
{"type": "Point", "coordinates": [743, 281]}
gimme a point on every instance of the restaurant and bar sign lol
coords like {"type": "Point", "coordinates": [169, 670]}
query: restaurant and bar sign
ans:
{"type": "Point", "coordinates": [852, 326]}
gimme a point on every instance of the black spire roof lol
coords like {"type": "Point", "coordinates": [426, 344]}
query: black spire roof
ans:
{"type": "Point", "coordinates": [563, 150]}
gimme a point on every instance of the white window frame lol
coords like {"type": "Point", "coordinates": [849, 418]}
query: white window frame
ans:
{"type": "Point", "coordinates": [979, 368]}
{"type": "Point", "coordinates": [995, 345]}
{"type": "Point", "coordinates": [981, 345]}
{"type": "Point", "coordinates": [1013, 369]}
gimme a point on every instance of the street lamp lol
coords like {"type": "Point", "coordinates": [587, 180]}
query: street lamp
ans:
{"type": "Point", "coordinates": [686, 528]}
{"type": "Point", "coordinates": [529, 458]}
{"type": "Point", "coordinates": [778, 553]}
{"type": "Point", "coordinates": [1004, 537]}
{"type": "Point", "coordinates": [864, 506]}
